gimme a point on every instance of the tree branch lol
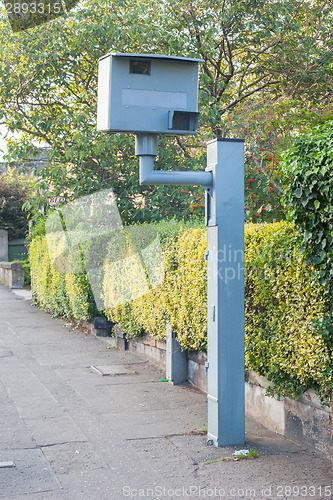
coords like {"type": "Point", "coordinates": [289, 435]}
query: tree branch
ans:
{"type": "Point", "coordinates": [268, 177]}
{"type": "Point", "coordinates": [182, 147]}
{"type": "Point", "coordinates": [245, 96]}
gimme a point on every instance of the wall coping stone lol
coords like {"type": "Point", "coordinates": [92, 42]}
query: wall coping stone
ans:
{"type": "Point", "coordinates": [12, 274]}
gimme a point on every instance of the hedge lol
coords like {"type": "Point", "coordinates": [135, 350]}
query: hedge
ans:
{"type": "Point", "coordinates": [69, 293]}
{"type": "Point", "coordinates": [58, 293]}
{"type": "Point", "coordinates": [308, 170]}
{"type": "Point", "coordinates": [180, 301]}
{"type": "Point", "coordinates": [284, 314]}
{"type": "Point", "coordinates": [287, 336]}
{"type": "Point", "coordinates": [285, 307]}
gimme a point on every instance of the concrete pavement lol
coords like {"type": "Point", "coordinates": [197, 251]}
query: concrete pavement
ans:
{"type": "Point", "coordinates": [75, 434]}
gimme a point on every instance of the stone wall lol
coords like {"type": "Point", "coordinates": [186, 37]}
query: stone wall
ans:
{"type": "Point", "coordinates": [12, 274]}
{"type": "Point", "coordinates": [304, 420]}
{"type": "Point", "coordinates": [3, 245]}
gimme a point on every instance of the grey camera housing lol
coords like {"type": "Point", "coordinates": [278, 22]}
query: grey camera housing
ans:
{"type": "Point", "coordinates": [147, 93]}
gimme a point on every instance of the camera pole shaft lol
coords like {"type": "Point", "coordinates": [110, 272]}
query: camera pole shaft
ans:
{"type": "Point", "coordinates": [223, 181]}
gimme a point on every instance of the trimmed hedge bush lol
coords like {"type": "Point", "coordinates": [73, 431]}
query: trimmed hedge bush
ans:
{"type": "Point", "coordinates": [58, 293]}
{"type": "Point", "coordinates": [180, 301]}
{"type": "Point", "coordinates": [285, 306]}
{"type": "Point", "coordinates": [288, 339]}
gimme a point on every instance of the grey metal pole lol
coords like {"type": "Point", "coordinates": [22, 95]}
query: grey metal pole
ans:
{"type": "Point", "coordinates": [225, 274]}
{"type": "Point", "coordinates": [224, 184]}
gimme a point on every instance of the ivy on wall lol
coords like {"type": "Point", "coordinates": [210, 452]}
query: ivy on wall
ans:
{"type": "Point", "coordinates": [308, 166]}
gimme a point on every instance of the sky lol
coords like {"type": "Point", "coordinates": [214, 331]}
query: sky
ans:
{"type": "Point", "coordinates": [3, 144]}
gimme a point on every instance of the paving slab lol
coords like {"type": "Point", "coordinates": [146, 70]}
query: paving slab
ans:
{"type": "Point", "coordinates": [50, 430]}
{"type": "Point", "coordinates": [13, 430]}
{"type": "Point", "coordinates": [23, 293]}
{"type": "Point", "coordinates": [73, 457]}
{"type": "Point", "coordinates": [32, 473]}
{"type": "Point", "coordinates": [74, 434]}
{"type": "Point", "coordinates": [111, 370]}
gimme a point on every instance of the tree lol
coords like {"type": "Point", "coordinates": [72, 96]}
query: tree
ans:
{"type": "Point", "coordinates": [15, 190]}
{"type": "Point", "coordinates": [267, 76]}
{"type": "Point", "coordinates": [251, 51]}
{"type": "Point", "coordinates": [48, 80]}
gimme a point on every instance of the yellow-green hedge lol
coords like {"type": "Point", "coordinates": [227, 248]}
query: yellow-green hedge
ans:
{"type": "Point", "coordinates": [180, 300]}
{"type": "Point", "coordinates": [288, 324]}
{"type": "Point", "coordinates": [285, 313]}
{"type": "Point", "coordinates": [58, 293]}
{"type": "Point", "coordinates": [285, 306]}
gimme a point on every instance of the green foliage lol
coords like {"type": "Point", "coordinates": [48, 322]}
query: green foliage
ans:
{"type": "Point", "coordinates": [288, 324]}
{"type": "Point", "coordinates": [58, 293]}
{"type": "Point", "coordinates": [15, 190]}
{"type": "Point", "coordinates": [256, 80]}
{"type": "Point", "coordinates": [309, 167]}
{"type": "Point", "coordinates": [152, 311]}
{"type": "Point", "coordinates": [55, 68]}
{"type": "Point", "coordinates": [180, 301]}
{"type": "Point", "coordinates": [288, 337]}
{"type": "Point", "coordinates": [26, 270]}
{"type": "Point", "coordinates": [285, 310]}
{"type": "Point", "coordinates": [269, 61]}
